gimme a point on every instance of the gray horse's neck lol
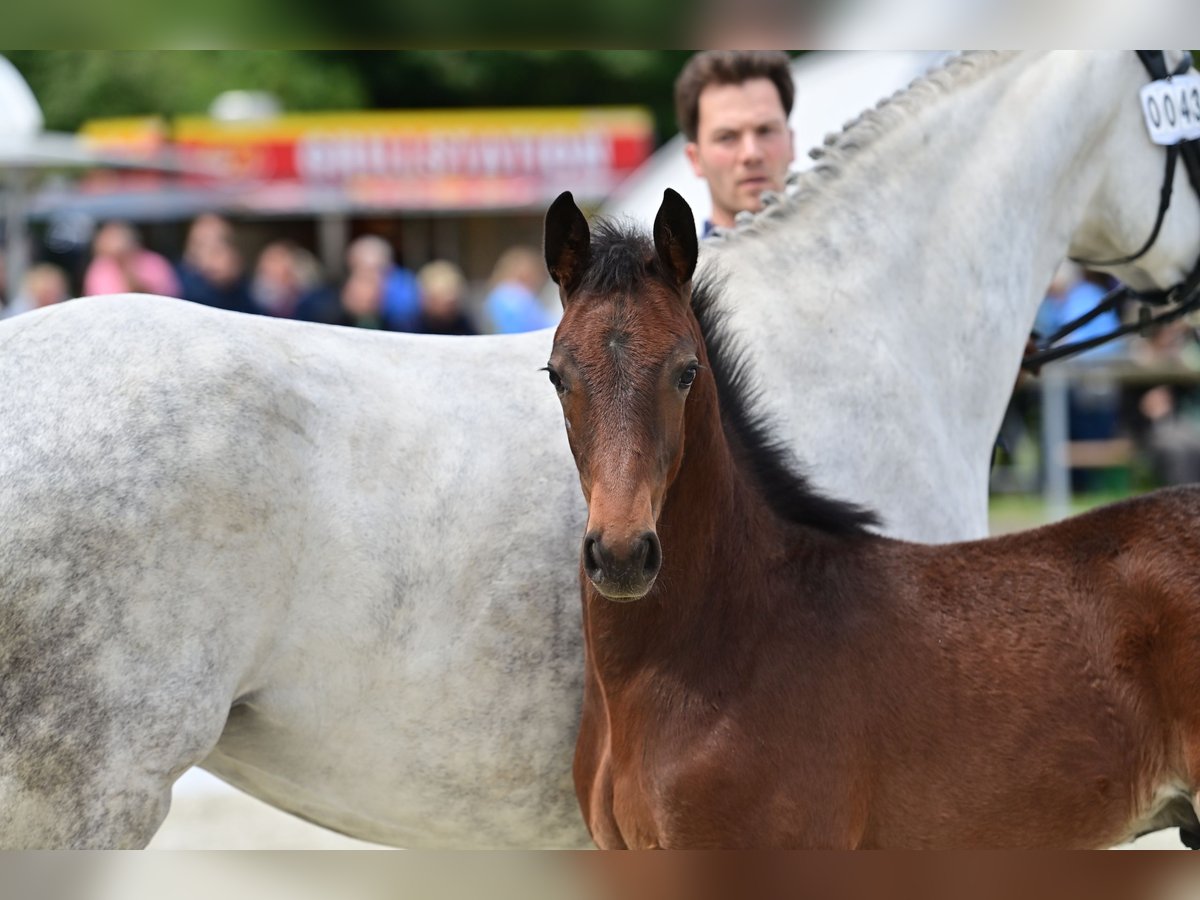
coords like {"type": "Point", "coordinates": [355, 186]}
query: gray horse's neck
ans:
{"type": "Point", "coordinates": [911, 261]}
{"type": "Point", "coordinates": [922, 218]}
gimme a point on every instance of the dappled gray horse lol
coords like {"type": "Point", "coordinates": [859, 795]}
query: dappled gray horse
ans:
{"type": "Point", "coordinates": [334, 567]}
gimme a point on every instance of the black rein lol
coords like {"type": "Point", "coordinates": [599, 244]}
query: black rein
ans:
{"type": "Point", "coordinates": [1182, 298]}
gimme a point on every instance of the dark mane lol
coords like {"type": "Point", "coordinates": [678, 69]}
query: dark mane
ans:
{"type": "Point", "coordinates": [768, 460]}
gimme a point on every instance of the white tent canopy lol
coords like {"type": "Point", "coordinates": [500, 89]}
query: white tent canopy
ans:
{"type": "Point", "coordinates": [26, 151]}
{"type": "Point", "coordinates": [20, 115]}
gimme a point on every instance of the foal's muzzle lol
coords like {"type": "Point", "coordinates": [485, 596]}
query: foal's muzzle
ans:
{"type": "Point", "coordinates": [623, 570]}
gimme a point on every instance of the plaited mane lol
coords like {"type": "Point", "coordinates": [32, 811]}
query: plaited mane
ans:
{"type": "Point", "coordinates": [862, 132]}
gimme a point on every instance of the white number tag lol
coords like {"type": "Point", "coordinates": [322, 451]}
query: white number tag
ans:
{"type": "Point", "coordinates": [1172, 108]}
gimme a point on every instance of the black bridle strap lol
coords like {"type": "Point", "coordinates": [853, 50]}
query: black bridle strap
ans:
{"type": "Point", "coordinates": [1034, 361]}
{"type": "Point", "coordinates": [1164, 202]}
{"type": "Point", "coordinates": [1155, 63]}
{"type": "Point", "coordinates": [1110, 301]}
{"type": "Point", "coordinates": [1191, 162]}
{"type": "Point", "coordinates": [1186, 294]}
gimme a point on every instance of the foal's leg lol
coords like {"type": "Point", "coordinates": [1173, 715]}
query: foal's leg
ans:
{"type": "Point", "coordinates": [1187, 817]}
{"type": "Point", "coordinates": [1189, 830]}
{"type": "Point", "coordinates": [1189, 825]}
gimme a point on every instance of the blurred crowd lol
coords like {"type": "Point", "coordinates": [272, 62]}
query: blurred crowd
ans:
{"type": "Point", "coordinates": [286, 280]}
{"type": "Point", "coordinates": [1133, 404]}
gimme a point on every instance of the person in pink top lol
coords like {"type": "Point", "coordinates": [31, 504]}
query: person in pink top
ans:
{"type": "Point", "coordinates": [120, 264]}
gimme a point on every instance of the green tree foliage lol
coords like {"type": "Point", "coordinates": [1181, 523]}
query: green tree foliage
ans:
{"type": "Point", "coordinates": [457, 23]}
{"type": "Point", "coordinates": [75, 85]}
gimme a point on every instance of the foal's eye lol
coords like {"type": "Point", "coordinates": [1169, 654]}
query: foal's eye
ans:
{"type": "Point", "coordinates": [688, 376]}
{"type": "Point", "coordinates": [554, 379]}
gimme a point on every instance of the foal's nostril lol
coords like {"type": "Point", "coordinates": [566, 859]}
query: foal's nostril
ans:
{"type": "Point", "coordinates": [626, 574]}
{"type": "Point", "coordinates": [591, 558]}
{"type": "Point", "coordinates": [652, 558]}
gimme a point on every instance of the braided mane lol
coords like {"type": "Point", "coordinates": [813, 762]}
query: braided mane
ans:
{"type": "Point", "coordinates": [863, 131]}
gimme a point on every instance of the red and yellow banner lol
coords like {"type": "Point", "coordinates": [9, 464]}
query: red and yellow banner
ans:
{"type": "Point", "coordinates": [434, 159]}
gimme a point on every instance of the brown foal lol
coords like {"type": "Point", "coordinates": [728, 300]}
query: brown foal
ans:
{"type": "Point", "coordinates": [763, 671]}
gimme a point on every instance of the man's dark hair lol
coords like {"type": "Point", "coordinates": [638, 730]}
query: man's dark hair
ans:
{"type": "Point", "coordinates": [728, 67]}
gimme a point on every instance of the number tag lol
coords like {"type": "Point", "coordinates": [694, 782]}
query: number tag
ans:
{"type": "Point", "coordinates": [1172, 108]}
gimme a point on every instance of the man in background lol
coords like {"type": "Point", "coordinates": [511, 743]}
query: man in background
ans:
{"type": "Point", "coordinates": [733, 107]}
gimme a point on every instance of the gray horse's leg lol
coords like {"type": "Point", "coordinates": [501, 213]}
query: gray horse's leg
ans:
{"type": "Point", "coordinates": [105, 783]}
{"type": "Point", "coordinates": [97, 720]}
{"type": "Point", "coordinates": [100, 781]}
{"type": "Point", "coordinates": [78, 813]}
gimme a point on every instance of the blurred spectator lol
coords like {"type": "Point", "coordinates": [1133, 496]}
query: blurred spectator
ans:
{"type": "Point", "coordinates": [1072, 293]}
{"type": "Point", "coordinates": [361, 300]}
{"type": "Point", "coordinates": [206, 229]}
{"type": "Point", "coordinates": [517, 281]}
{"type": "Point", "coordinates": [221, 280]}
{"type": "Point", "coordinates": [120, 264]}
{"type": "Point", "coordinates": [1093, 404]}
{"type": "Point", "coordinates": [322, 304]}
{"type": "Point", "coordinates": [212, 271]}
{"type": "Point", "coordinates": [1170, 413]}
{"type": "Point", "coordinates": [401, 303]}
{"type": "Point", "coordinates": [44, 285]}
{"type": "Point", "coordinates": [443, 292]}
{"type": "Point", "coordinates": [368, 259]}
{"type": "Point", "coordinates": [285, 275]}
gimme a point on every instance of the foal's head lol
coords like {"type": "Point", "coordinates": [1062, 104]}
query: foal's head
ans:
{"type": "Point", "coordinates": [626, 356]}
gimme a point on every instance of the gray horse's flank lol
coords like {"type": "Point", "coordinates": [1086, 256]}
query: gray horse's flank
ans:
{"type": "Point", "coordinates": [207, 540]}
{"type": "Point", "coordinates": [338, 568]}
{"type": "Point", "coordinates": [137, 526]}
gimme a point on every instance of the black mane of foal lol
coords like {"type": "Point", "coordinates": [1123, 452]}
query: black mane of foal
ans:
{"type": "Point", "coordinates": [621, 258]}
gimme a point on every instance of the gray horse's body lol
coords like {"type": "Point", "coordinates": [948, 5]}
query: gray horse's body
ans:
{"type": "Point", "coordinates": [208, 536]}
{"type": "Point", "coordinates": [338, 568]}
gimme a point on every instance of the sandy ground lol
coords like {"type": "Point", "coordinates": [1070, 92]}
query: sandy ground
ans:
{"type": "Point", "coordinates": [207, 814]}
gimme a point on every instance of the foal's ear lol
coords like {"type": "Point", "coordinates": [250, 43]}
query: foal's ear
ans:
{"type": "Point", "coordinates": [675, 238]}
{"type": "Point", "coordinates": [568, 244]}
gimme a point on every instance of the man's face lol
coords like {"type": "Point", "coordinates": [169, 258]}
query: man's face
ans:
{"type": "Point", "coordinates": [743, 146]}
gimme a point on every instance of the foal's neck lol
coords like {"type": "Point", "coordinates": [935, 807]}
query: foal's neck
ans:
{"type": "Point", "coordinates": [712, 509]}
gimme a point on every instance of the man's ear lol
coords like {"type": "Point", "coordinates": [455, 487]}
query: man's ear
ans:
{"type": "Point", "coordinates": [692, 151]}
{"type": "Point", "coordinates": [567, 244]}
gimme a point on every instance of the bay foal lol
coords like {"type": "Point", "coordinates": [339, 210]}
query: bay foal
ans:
{"type": "Point", "coordinates": [763, 671]}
